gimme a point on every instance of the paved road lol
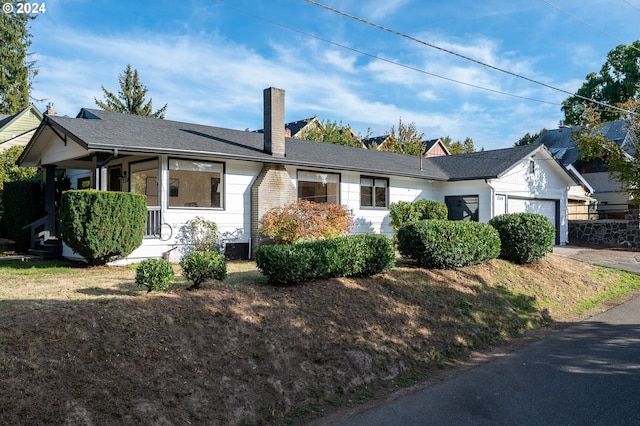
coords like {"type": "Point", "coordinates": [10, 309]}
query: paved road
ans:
{"type": "Point", "coordinates": [587, 374]}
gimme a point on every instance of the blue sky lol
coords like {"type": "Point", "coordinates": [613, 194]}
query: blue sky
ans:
{"type": "Point", "coordinates": [210, 62]}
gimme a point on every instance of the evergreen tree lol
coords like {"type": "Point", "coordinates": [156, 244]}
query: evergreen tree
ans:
{"type": "Point", "coordinates": [15, 68]}
{"type": "Point", "coordinates": [458, 147]}
{"type": "Point", "coordinates": [528, 139]}
{"type": "Point", "coordinates": [130, 98]}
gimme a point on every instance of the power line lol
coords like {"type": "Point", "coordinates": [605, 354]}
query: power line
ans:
{"type": "Point", "coordinates": [361, 52]}
{"type": "Point", "coordinates": [631, 4]}
{"type": "Point", "coordinates": [467, 58]}
{"type": "Point", "coordinates": [593, 27]}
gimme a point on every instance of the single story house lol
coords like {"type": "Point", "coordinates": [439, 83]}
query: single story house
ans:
{"type": "Point", "coordinates": [607, 192]}
{"type": "Point", "coordinates": [232, 177]}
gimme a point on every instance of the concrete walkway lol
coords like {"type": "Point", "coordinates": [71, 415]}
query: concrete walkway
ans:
{"type": "Point", "coordinates": [613, 258]}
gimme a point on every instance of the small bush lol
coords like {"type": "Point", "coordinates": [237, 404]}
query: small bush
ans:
{"type": "Point", "coordinates": [305, 220]}
{"type": "Point", "coordinates": [155, 274]}
{"type": "Point", "coordinates": [525, 237]}
{"type": "Point", "coordinates": [199, 234]}
{"type": "Point", "coordinates": [351, 255]}
{"type": "Point", "coordinates": [102, 226]}
{"type": "Point", "coordinates": [200, 266]}
{"type": "Point", "coordinates": [443, 244]}
{"type": "Point", "coordinates": [403, 212]}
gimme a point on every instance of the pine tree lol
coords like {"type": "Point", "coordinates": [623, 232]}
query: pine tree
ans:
{"type": "Point", "coordinates": [15, 68]}
{"type": "Point", "coordinates": [130, 98]}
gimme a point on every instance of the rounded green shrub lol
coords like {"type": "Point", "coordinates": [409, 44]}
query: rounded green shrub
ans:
{"type": "Point", "coordinates": [443, 244]}
{"type": "Point", "coordinates": [525, 237]}
{"type": "Point", "coordinates": [347, 256]}
{"type": "Point", "coordinates": [155, 274]}
{"type": "Point", "coordinates": [402, 212]}
{"type": "Point", "coordinates": [200, 266]}
{"type": "Point", "coordinates": [102, 226]}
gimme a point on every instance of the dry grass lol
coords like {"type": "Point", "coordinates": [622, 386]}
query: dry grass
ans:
{"type": "Point", "coordinates": [85, 346]}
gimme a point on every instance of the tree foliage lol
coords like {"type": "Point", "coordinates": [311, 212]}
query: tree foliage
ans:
{"type": "Point", "coordinates": [617, 81]}
{"type": "Point", "coordinates": [404, 140]}
{"type": "Point", "coordinates": [305, 220]}
{"type": "Point", "coordinates": [15, 68]}
{"type": "Point", "coordinates": [130, 98]}
{"type": "Point", "coordinates": [332, 132]}
{"type": "Point", "coordinates": [623, 162]}
{"type": "Point", "coordinates": [9, 170]}
{"type": "Point", "coordinates": [458, 147]}
{"type": "Point", "coordinates": [528, 139]}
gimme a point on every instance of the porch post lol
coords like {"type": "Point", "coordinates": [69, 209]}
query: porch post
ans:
{"type": "Point", "coordinates": [50, 197]}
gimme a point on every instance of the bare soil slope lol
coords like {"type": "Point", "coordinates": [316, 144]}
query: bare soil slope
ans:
{"type": "Point", "coordinates": [85, 346]}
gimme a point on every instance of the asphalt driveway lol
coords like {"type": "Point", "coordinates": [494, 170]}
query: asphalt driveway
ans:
{"type": "Point", "coordinates": [586, 374]}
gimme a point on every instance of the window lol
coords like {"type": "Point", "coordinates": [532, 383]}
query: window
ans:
{"type": "Point", "coordinates": [373, 192]}
{"type": "Point", "coordinates": [195, 184]}
{"type": "Point", "coordinates": [144, 180]}
{"type": "Point", "coordinates": [319, 187]}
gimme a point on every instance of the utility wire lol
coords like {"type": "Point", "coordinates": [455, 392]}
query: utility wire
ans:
{"type": "Point", "coordinates": [361, 52]}
{"type": "Point", "coordinates": [631, 4]}
{"type": "Point", "coordinates": [467, 58]}
{"type": "Point", "coordinates": [593, 27]}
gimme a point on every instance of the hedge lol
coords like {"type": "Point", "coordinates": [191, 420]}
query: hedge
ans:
{"type": "Point", "coordinates": [22, 204]}
{"type": "Point", "coordinates": [402, 212]}
{"type": "Point", "coordinates": [102, 226]}
{"type": "Point", "coordinates": [351, 255]}
{"type": "Point", "coordinates": [443, 244]}
{"type": "Point", "coordinates": [525, 237]}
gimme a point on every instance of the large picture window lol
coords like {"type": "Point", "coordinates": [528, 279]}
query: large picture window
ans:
{"type": "Point", "coordinates": [144, 180]}
{"type": "Point", "coordinates": [374, 192]}
{"type": "Point", "coordinates": [195, 184]}
{"type": "Point", "coordinates": [319, 187]}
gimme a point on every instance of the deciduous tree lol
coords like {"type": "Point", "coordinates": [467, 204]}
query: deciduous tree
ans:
{"type": "Point", "coordinates": [623, 162]}
{"type": "Point", "coordinates": [130, 98]}
{"type": "Point", "coordinates": [404, 140]}
{"type": "Point", "coordinates": [332, 132]}
{"type": "Point", "coordinates": [617, 81]}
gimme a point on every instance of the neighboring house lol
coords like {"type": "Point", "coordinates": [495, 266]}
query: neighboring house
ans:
{"type": "Point", "coordinates": [17, 129]}
{"type": "Point", "coordinates": [435, 148]}
{"type": "Point", "coordinates": [233, 177]}
{"type": "Point", "coordinates": [432, 147]}
{"type": "Point", "coordinates": [606, 191]}
{"type": "Point", "coordinates": [295, 129]}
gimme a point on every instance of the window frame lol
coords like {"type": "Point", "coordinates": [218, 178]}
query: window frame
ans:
{"type": "Point", "coordinates": [298, 189]}
{"type": "Point", "coordinates": [373, 205]}
{"type": "Point", "coordinates": [223, 172]}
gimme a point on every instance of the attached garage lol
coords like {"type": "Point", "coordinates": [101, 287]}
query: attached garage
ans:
{"type": "Point", "coordinates": [547, 208]}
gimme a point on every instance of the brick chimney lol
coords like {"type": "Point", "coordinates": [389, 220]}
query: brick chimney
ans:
{"type": "Point", "coordinates": [274, 132]}
{"type": "Point", "coordinates": [50, 110]}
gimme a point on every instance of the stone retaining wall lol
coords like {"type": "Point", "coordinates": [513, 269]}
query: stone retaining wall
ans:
{"type": "Point", "coordinates": [607, 232]}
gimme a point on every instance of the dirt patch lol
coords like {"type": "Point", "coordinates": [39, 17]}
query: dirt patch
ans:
{"type": "Point", "coordinates": [85, 346]}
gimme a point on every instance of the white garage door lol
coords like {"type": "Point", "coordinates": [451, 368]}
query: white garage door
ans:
{"type": "Point", "coordinates": [544, 207]}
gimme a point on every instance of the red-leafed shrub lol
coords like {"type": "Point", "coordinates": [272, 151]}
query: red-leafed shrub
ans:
{"type": "Point", "coordinates": [305, 220]}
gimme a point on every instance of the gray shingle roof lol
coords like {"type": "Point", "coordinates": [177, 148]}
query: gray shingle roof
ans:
{"type": "Point", "coordinates": [482, 164]}
{"type": "Point", "coordinates": [564, 148]}
{"type": "Point", "coordinates": [98, 130]}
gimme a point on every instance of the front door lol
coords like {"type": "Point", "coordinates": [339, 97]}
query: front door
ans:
{"type": "Point", "coordinates": [114, 182]}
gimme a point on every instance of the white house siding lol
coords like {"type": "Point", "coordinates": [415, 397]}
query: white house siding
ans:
{"type": "Point", "coordinates": [545, 184]}
{"type": "Point", "coordinates": [377, 220]}
{"type": "Point", "coordinates": [477, 187]}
